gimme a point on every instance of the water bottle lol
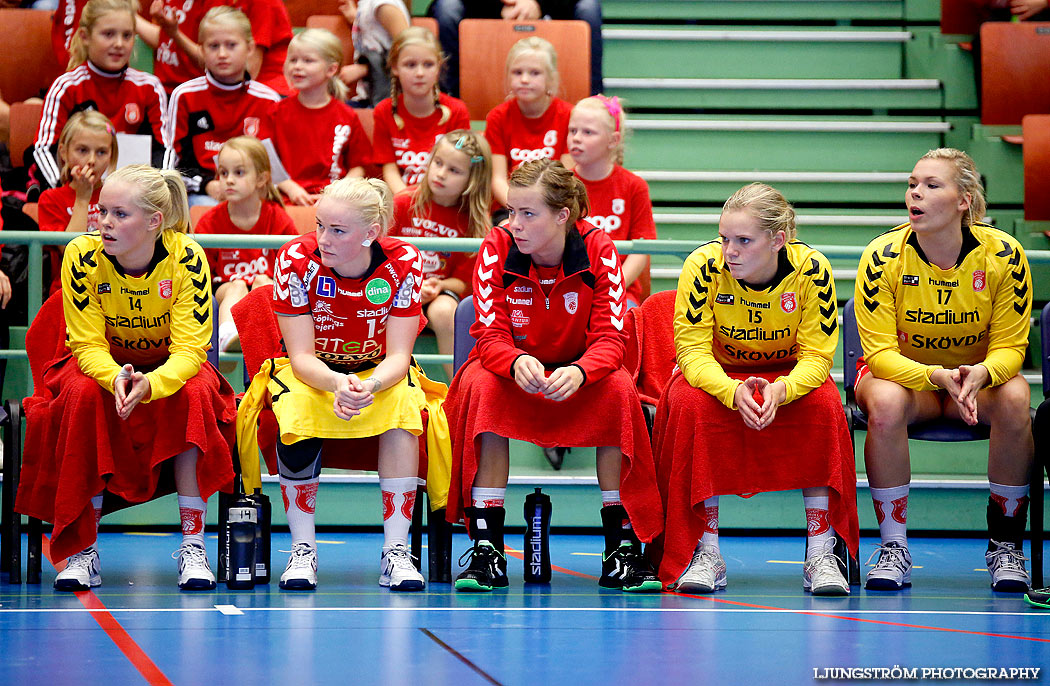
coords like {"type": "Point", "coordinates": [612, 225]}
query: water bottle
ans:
{"type": "Point", "coordinates": [240, 544]}
{"type": "Point", "coordinates": [262, 536]}
{"type": "Point", "coordinates": [537, 538]}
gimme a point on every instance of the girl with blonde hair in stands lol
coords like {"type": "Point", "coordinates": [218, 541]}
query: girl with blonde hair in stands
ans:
{"type": "Point", "coordinates": [253, 206]}
{"type": "Point", "coordinates": [943, 307]}
{"type": "Point", "coordinates": [416, 113]}
{"type": "Point", "coordinates": [133, 101]}
{"type": "Point", "coordinates": [133, 402]}
{"type": "Point", "coordinates": [347, 304]}
{"type": "Point", "coordinates": [452, 201]}
{"type": "Point", "coordinates": [317, 135]}
{"type": "Point", "coordinates": [532, 123]}
{"type": "Point", "coordinates": [87, 150]}
{"type": "Point", "coordinates": [619, 200]}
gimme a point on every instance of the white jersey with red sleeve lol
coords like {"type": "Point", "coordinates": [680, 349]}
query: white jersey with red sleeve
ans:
{"type": "Point", "coordinates": [204, 114]}
{"type": "Point", "coordinates": [620, 205]}
{"type": "Point", "coordinates": [319, 146]}
{"type": "Point", "coordinates": [349, 314]}
{"type": "Point", "coordinates": [133, 100]}
{"type": "Point", "coordinates": [409, 146]}
{"type": "Point", "coordinates": [579, 320]}
{"type": "Point", "coordinates": [521, 139]}
{"type": "Point", "coordinates": [229, 264]}
{"type": "Point", "coordinates": [436, 221]}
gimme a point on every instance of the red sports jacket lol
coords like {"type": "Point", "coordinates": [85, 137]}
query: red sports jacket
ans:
{"type": "Point", "coordinates": [580, 322]}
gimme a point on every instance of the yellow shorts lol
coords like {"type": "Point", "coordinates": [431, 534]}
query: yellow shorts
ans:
{"type": "Point", "coordinates": [305, 412]}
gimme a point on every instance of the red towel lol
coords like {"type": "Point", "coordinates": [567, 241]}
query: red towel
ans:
{"type": "Point", "coordinates": [654, 331]}
{"type": "Point", "coordinates": [704, 449]}
{"type": "Point", "coordinates": [606, 412]}
{"type": "Point", "coordinates": [76, 446]}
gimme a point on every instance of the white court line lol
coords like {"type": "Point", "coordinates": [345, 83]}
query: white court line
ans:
{"type": "Point", "coordinates": [232, 610]}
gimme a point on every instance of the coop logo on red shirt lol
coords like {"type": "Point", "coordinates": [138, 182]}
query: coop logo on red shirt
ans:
{"type": "Point", "coordinates": [251, 126]}
{"type": "Point", "coordinates": [165, 288]}
{"type": "Point", "coordinates": [788, 302]}
{"type": "Point", "coordinates": [132, 113]}
{"type": "Point", "coordinates": [978, 280]}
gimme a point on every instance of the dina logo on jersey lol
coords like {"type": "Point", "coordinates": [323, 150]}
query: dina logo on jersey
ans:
{"type": "Point", "coordinates": [378, 291]}
{"type": "Point", "coordinates": [978, 281]}
{"type": "Point", "coordinates": [910, 280]}
{"type": "Point", "coordinates": [788, 302]}
{"type": "Point", "coordinates": [326, 287]}
{"type": "Point", "coordinates": [724, 299]}
{"type": "Point", "coordinates": [571, 302]}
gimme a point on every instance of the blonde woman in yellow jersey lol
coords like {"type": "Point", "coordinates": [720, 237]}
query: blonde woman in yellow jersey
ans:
{"type": "Point", "coordinates": [133, 402]}
{"type": "Point", "coordinates": [753, 408]}
{"type": "Point", "coordinates": [943, 306]}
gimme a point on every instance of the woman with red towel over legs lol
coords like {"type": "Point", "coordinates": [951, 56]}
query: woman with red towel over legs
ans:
{"type": "Point", "coordinates": [549, 297]}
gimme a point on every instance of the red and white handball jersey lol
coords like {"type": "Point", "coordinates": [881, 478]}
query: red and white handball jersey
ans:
{"type": "Point", "coordinates": [133, 100]}
{"type": "Point", "coordinates": [520, 139]}
{"type": "Point", "coordinates": [229, 264]}
{"type": "Point", "coordinates": [409, 147]}
{"type": "Point", "coordinates": [350, 314]}
{"type": "Point", "coordinates": [436, 221]}
{"type": "Point", "coordinates": [620, 205]}
{"type": "Point", "coordinates": [204, 114]}
{"type": "Point", "coordinates": [319, 146]}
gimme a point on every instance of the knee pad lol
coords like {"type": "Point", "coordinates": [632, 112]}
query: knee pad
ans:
{"type": "Point", "coordinates": [299, 461]}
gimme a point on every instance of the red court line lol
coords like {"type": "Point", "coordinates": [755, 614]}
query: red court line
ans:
{"type": "Point", "coordinates": [518, 555]}
{"type": "Point", "coordinates": [135, 654]}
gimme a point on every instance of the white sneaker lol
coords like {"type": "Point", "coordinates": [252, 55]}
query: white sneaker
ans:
{"type": "Point", "coordinates": [301, 572]}
{"type": "Point", "coordinates": [1006, 565]}
{"type": "Point", "coordinates": [397, 571]}
{"type": "Point", "coordinates": [82, 571]}
{"type": "Point", "coordinates": [822, 573]}
{"type": "Point", "coordinates": [892, 571]}
{"type": "Point", "coordinates": [706, 573]}
{"type": "Point", "coordinates": [194, 571]}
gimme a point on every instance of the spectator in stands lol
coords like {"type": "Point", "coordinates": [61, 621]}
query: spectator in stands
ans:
{"type": "Point", "coordinates": [450, 12]}
{"type": "Point", "coordinates": [944, 306]}
{"type": "Point", "coordinates": [318, 137]}
{"type": "Point", "coordinates": [99, 78]}
{"type": "Point", "coordinates": [531, 124]}
{"type": "Point", "coordinates": [416, 113]}
{"type": "Point", "coordinates": [374, 24]}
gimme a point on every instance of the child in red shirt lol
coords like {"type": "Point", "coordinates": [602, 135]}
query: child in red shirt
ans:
{"type": "Point", "coordinates": [253, 205]}
{"type": "Point", "coordinates": [619, 200]}
{"type": "Point", "coordinates": [86, 150]}
{"type": "Point", "coordinates": [99, 79]}
{"type": "Point", "coordinates": [531, 124]}
{"type": "Point", "coordinates": [409, 122]}
{"type": "Point", "coordinates": [317, 135]}
{"type": "Point", "coordinates": [223, 103]}
{"type": "Point", "coordinates": [452, 202]}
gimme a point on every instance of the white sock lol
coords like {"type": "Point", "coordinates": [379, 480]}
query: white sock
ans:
{"type": "Point", "coordinates": [891, 509]}
{"type": "Point", "coordinates": [192, 510]}
{"type": "Point", "coordinates": [611, 498]}
{"type": "Point", "coordinates": [1010, 498]}
{"type": "Point", "coordinates": [709, 539]}
{"type": "Point", "coordinates": [399, 497]}
{"type": "Point", "coordinates": [488, 497]}
{"type": "Point", "coordinates": [300, 501]}
{"type": "Point", "coordinates": [818, 526]}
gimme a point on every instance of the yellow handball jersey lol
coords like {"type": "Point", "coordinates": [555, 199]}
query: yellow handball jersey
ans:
{"type": "Point", "coordinates": [721, 322]}
{"type": "Point", "coordinates": [915, 317]}
{"type": "Point", "coordinates": [161, 320]}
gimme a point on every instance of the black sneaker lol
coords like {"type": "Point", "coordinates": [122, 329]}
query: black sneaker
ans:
{"type": "Point", "coordinates": [628, 570]}
{"type": "Point", "coordinates": [487, 569]}
{"type": "Point", "coordinates": [1038, 597]}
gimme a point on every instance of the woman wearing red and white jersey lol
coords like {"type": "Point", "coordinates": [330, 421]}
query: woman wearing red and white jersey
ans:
{"type": "Point", "coordinates": [347, 300]}
{"type": "Point", "coordinates": [549, 298]}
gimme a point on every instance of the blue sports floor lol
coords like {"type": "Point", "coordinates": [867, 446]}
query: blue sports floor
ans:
{"type": "Point", "coordinates": [139, 628]}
